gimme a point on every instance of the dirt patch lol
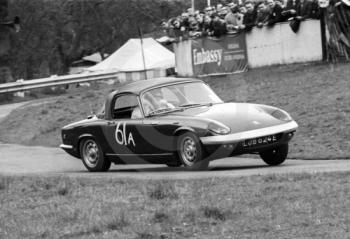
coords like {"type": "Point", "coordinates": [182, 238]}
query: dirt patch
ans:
{"type": "Point", "coordinates": [316, 95]}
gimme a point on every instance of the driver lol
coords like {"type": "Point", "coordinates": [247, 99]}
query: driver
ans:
{"type": "Point", "coordinates": [160, 100]}
{"type": "Point", "coordinates": [154, 100]}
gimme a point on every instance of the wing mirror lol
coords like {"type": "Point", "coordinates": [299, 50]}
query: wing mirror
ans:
{"type": "Point", "coordinates": [92, 117]}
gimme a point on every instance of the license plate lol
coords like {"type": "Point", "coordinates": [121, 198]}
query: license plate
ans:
{"type": "Point", "coordinates": [260, 141]}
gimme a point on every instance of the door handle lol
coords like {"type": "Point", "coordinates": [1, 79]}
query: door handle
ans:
{"type": "Point", "coordinates": [155, 123]}
{"type": "Point", "coordinates": [110, 123]}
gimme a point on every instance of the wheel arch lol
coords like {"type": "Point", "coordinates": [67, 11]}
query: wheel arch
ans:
{"type": "Point", "coordinates": [179, 131]}
{"type": "Point", "coordinates": [81, 138]}
{"type": "Point", "coordinates": [183, 129]}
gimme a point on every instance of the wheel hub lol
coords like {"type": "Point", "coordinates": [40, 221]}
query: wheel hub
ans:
{"type": "Point", "coordinates": [189, 150]}
{"type": "Point", "coordinates": [90, 153]}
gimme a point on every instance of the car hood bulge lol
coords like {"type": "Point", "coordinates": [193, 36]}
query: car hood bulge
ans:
{"type": "Point", "coordinates": [238, 116]}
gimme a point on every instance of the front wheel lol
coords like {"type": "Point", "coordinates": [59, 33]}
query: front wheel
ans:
{"type": "Point", "coordinates": [190, 152]}
{"type": "Point", "coordinates": [92, 156]}
{"type": "Point", "coordinates": [275, 156]}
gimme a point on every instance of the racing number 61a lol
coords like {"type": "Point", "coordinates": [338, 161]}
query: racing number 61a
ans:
{"type": "Point", "coordinates": [120, 135]}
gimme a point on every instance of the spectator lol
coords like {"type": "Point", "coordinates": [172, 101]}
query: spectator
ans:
{"type": "Point", "coordinates": [194, 30]}
{"type": "Point", "coordinates": [200, 21]}
{"type": "Point", "coordinates": [223, 12]}
{"type": "Point", "coordinates": [233, 19]}
{"type": "Point", "coordinates": [262, 15]}
{"type": "Point", "coordinates": [176, 26]}
{"type": "Point", "coordinates": [219, 26]}
{"type": "Point", "coordinates": [234, 16]}
{"type": "Point", "coordinates": [275, 12]}
{"type": "Point", "coordinates": [209, 10]}
{"type": "Point", "coordinates": [291, 9]}
{"type": "Point", "coordinates": [190, 11]}
{"type": "Point", "coordinates": [207, 26]}
{"type": "Point", "coordinates": [281, 3]}
{"type": "Point", "coordinates": [242, 10]}
{"type": "Point", "coordinates": [218, 7]}
{"type": "Point", "coordinates": [249, 17]}
{"type": "Point", "coordinates": [307, 9]}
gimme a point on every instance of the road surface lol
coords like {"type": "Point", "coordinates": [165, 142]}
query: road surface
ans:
{"type": "Point", "coordinates": [19, 160]}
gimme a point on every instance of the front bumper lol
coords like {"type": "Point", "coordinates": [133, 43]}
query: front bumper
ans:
{"type": "Point", "coordinates": [232, 144]}
{"type": "Point", "coordinates": [251, 134]}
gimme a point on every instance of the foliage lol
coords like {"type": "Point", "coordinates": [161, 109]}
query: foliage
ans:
{"type": "Point", "coordinates": [56, 33]}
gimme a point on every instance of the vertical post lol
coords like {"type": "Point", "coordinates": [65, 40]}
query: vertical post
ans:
{"type": "Point", "coordinates": [143, 54]}
{"type": "Point", "coordinates": [323, 20]}
{"type": "Point", "coordinates": [192, 5]}
{"type": "Point", "coordinates": [208, 3]}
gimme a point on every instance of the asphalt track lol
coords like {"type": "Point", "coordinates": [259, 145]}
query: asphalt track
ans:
{"type": "Point", "coordinates": [36, 160]}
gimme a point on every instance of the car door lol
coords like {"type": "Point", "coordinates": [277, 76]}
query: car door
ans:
{"type": "Point", "coordinates": [122, 130]}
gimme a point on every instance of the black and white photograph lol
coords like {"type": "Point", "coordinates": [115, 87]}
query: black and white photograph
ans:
{"type": "Point", "coordinates": [162, 119]}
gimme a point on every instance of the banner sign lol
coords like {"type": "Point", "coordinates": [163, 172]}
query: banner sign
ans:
{"type": "Point", "coordinates": [223, 55]}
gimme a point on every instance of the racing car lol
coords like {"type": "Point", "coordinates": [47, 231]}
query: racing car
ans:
{"type": "Point", "coordinates": [177, 122]}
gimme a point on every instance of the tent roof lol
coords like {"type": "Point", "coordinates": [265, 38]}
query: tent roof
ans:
{"type": "Point", "coordinates": [129, 57]}
{"type": "Point", "coordinates": [96, 57]}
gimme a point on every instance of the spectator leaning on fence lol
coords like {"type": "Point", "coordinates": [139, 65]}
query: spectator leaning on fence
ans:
{"type": "Point", "coordinates": [275, 12]}
{"type": "Point", "coordinates": [239, 16]}
{"type": "Point", "coordinates": [262, 14]}
{"type": "Point", "coordinates": [249, 17]}
{"type": "Point", "coordinates": [233, 18]}
{"type": "Point", "coordinates": [219, 26]}
{"type": "Point", "coordinates": [307, 9]}
{"type": "Point", "coordinates": [291, 9]}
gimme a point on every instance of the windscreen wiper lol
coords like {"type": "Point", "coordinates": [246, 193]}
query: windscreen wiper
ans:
{"type": "Point", "coordinates": [164, 110]}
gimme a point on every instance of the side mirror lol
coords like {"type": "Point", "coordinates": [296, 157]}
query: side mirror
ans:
{"type": "Point", "coordinates": [92, 117]}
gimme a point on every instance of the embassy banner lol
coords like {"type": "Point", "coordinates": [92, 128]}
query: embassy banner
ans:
{"type": "Point", "coordinates": [227, 54]}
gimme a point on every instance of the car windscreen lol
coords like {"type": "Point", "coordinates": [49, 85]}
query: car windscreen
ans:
{"type": "Point", "coordinates": [178, 95]}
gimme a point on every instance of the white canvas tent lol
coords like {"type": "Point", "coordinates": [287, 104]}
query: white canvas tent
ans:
{"type": "Point", "coordinates": [128, 58]}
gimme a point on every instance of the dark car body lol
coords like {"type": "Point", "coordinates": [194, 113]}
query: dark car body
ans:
{"type": "Point", "coordinates": [153, 138]}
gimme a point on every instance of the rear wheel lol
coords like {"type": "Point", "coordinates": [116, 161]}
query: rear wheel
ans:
{"type": "Point", "coordinates": [190, 152]}
{"type": "Point", "coordinates": [92, 156]}
{"type": "Point", "coordinates": [275, 156]}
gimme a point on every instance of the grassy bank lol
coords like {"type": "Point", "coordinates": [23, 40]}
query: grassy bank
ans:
{"type": "Point", "coordinates": [289, 206]}
{"type": "Point", "coordinates": [316, 95]}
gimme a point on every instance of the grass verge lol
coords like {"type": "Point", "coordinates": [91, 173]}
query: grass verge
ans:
{"type": "Point", "coordinates": [274, 206]}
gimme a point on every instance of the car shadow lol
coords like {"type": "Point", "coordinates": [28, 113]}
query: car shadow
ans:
{"type": "Point", "coordinates": [230, 168]}
{"type": "Point", "coordinates": [182, 169]}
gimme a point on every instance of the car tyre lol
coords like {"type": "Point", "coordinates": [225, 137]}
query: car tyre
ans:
{"type": "Point", "coordinates": [93, 157]}
{"type": "Point", "coordinates": [190, 152]}
{"type": "Point", "coordinates": [275, 156]}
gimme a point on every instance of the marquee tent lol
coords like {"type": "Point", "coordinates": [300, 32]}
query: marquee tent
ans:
{"type": "Point", "coordinates": [128, 58]}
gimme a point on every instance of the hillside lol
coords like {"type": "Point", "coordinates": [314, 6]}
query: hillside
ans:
{"type": "Point", "coordinates": [316, 95]}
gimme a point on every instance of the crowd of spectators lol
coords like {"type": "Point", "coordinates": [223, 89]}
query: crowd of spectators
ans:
{"type": "Point", "coordinates": [236, 15]}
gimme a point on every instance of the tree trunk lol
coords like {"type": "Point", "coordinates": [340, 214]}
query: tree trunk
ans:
{"type": "Point", "coordinates": [5, 47]}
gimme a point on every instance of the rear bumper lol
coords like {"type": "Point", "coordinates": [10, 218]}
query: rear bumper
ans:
{"type": "Point", "coordinates": [66, 147]}
{"type": "Point", "coordinates": [251, 134]}
{"type": "Point", "coordinates": [70, 149]}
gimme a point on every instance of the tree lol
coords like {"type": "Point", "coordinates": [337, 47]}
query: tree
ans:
{"type": "Point", "coordinates": [54, 34]}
